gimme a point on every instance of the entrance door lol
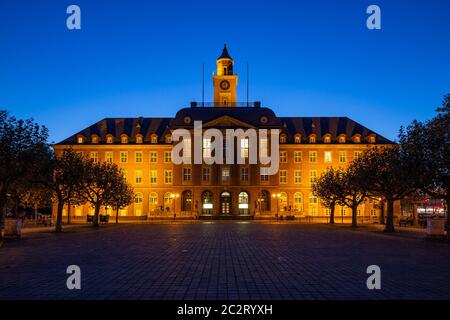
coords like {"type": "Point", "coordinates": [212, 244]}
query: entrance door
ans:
{"type": "Point", "coordinates": [225, 203]}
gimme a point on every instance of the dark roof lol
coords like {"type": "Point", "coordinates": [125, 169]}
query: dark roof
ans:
{"type": "Point", "coordinates": [249, 115]}
{"type": "Point", "coordinates": [225, 54]}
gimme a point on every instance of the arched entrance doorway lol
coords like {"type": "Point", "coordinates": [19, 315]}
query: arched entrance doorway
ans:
{"type": "Point", "coordinates": [243, 203]}
{"type": "Point", "coordinates": [263, 202]}
{"type": "Point", "coordinates": [225, 203]}
{"type": "Point", "coordinates": [207, 203]}
{"type": "Point", "coordinates": [186, 201]}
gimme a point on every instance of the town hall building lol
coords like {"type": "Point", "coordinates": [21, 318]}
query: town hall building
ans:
{"type": "Point", "coordinates": [142, 148]}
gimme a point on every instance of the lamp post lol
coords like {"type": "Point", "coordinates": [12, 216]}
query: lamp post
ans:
{"type": "Point", "coordinates": [174, 196]}
{"type": "Point", "coordinates": [277, 196]}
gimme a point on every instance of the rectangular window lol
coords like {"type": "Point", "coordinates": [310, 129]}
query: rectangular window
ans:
{"type": "Point", "coordinates": [283, 156]}
{"type": "Point", "coordinates": [297, 156]}
{"type": "Point", "coordinates": [109, 157]}
{"type": "Point", "coordinates": [187, 174]}
{"type": "Point", "coordinates": [167, 176]}
{"type": "Point", "coordinates": [264, 177]}
{"type": "Point", "coordinates": [244, 174]}
{"type": "Point", "coordinates": [283, 176]}
{"type": "Point", "coordinates": [327, 156]}
{"type": "Point", "coordinates": [94, 156]}
{"type": "Point", "coordinates": [153, 157]}
{"type": "Point", "coordinates": [167, 156]}
{"type": "Point", "coordinates": [244, 148]}
{"type": "Point", "coordinates": [225, 174]}
{"type": "Point", "coordinates": [358, 154]}
{"type": "Point", "coordinates": [138, 177]}
{"type": "Point", "coordinates": [206, 174]}
{"type": "Point", "coordinates": [153, 176]}
{"type": "Point", "coordinates": [297, 177]}
{"type": "Point", "coordinates": [342, 156]}
{"type": "Point", "coordinates": [187, 147]}
{"type": "Point", "coordinates": [125, 174]}
{"type": "Point", "coordinates": [207, 148]}
{"type": "Point", "coordinates": [313, 156]}
{"type": "Point", "coordinates": [123, 156]}
{"type": "Point", "coordinates": [313, 176]}
{"type": "Point", "coordinates": [138, 156]}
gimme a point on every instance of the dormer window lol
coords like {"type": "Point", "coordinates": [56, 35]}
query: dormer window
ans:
{"type": "Point", "coordinates": [327, 138]}
{"type": "Point", "coordinates": [312, 138]}
{"type": "Point", "coordinates": [297, 138]}
{"type": "Point", "coordinates": [168, 138]}
{"type": "Point", "coordinates": [138, 138]}
{"type": "Point", "coordinates": [341, 138]}
{"type": "Point", "coordinates": [372, 139]}
{"type": "Point", "coordinates": [109, 139]}
{"type": "Point", "coordinates": [94, 139]}
{"type": "Point", "coordinates": [80, 139]}
{"type": "Point", "coordinates": [154, 138]}
{"type": "Point", "coordinates": [283, 138]}
{"type": "Point", "coordinates": [123, 139]}
{"type": "Point", "coordinates": [357, 139]}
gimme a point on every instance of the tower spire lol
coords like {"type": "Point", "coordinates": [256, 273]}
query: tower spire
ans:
{"type": "Point", "coordinates": [225, 54]}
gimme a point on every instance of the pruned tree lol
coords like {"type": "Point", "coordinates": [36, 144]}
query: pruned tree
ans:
{"type": "Point", "coordinates": [122, 196]}
{"type": "Point", "coordinates": [329, 189]}
{"type": "Point", "coordinates": [99, 185]}
{"type": "Point", "coordinates": [22, 143]}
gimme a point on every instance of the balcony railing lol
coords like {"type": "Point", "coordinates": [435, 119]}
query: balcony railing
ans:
{"type": "Point", "coordinates": [255, 104]}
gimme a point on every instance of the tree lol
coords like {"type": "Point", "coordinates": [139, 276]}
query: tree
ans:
{"type": "Point", "coordinates": [329, 189]}
{"type": "Point", "coordinates": [353, 185]}
{"type": "Point", "coordinates": [429, 145]}
{"type": "Point", "coordinates": [122, 196]}
{"type": "Point", "coordinates": [64, 176]}
{"type": "Point", "coordinates": [391, 173]}
{"type": "Point", "coordinates": [99, 185]}
{"type": "Point", "coordinates": [22, 144]}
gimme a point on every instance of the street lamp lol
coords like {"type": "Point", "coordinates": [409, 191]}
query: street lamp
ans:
{"type": "Point", "coordinates": [174, 196]}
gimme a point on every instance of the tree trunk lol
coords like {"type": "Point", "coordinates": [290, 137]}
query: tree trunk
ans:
{"type": "Point", "coordinates": [117, 216]}
{"type": "Point", "coordinates": [382, 212]}
{"type": "Point", "coordinates": [354, 216]}
{"type": "Point", "coordinates": [96, 215]}
{"type": "Point", "coordinates": [68, 213]}
{"type": "Point", "coordinates": [390, 216]}
{"type": "Point", "coordinates": [332, 214]}
{"type": "Point", "coordinates": [58, 227]}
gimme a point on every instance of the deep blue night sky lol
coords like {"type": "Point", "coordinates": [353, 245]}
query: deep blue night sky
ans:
{"type": "Point", "coordinates": [144, 58]}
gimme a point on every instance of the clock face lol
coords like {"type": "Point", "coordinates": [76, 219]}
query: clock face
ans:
{"type": "Point", "coordinates": [225, 85]}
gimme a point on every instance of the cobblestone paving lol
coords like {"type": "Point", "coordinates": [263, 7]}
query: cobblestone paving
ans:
{"type": "Point", "coordinates": [224, 261]}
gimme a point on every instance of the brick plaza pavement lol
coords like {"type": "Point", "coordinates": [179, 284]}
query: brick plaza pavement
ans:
{"type": "Point", "coordinates": [224, 260]}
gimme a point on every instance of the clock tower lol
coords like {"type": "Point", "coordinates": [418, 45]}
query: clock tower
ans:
{"type": "Point", "coordinates": [225, 81]}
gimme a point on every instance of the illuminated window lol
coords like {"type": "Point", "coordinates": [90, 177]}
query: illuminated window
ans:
{"type": "Point", "coordinates": [187, 174]}
{"type": "Point", "coordinates": [312, 176]}
{"type": "Point", "coordinates": [244, 148]}
{"type": "Point", "coordinates": [139, 139]}
{"type": "Point", "coordinates": [206, 174]}
{"type": "Point", "coordinates": [327, 156]}
{"type": "Point", "coordinates": [283, 176]}
{"type": "Point", "coordinates": [94, 139]}
{"type": "Point", "coordinates": [358, 154]}
{"type": "Point", "coordinates": [94, 156]}
{"type": "Point", "coordinates": [357, 139]}
{"type": "Point", "coordinates": [80, 139]}
{"type": "Point", "coordinates": [138, 198]}
{"type": "Point", "coordinates": [312, 138]}
{"type": "Point", "coordinates": [225, 174]}
{"type": "Point", "coordinates": [109, 157]}
{"type": "Point", "coordinates": [298, 202]}
{"type": "Point", "coordinates": [313, 156]}
{"type": "Point", "coordinates": [264, 175]}
{"type": "Point", "coordinates": [153, 176]}
{"type": "Point", "coordinates": [123, 156]}
{"type": "Point", "coordinates": [153, 200]}
{"type": "Point", "coordinates": [297, 138]}
{"type": "Point", "coordinates": [167, 156]}
{"type": "Point", "coordinates": [124, 139]}
{"type": "Point", "coordinates": [244, 174]}
{"type": "Point", "coordinates": [167, 176]}
{"type": "Point", "coordinates": [283, 156]}
{"type": "Point", "coordinates": [372, 139]}
{"type": "Point", "coordinates": [154, 139]}
{"type": "Point", "coordinates": [297, 156]}
{"type": "Point", "coordinates": [138, 156]}
{"type": "Point", "coordinates": [207, 148]}
{"type": "Point", "coordinates": [297, 177]}
{"type": "Point", "coordinates": [153, 157]}
{"type": "Point", "coordinates": [283, 138]}
{"type": "Point", "coordinates": [109, 139]}
{"type": "Point", "coordinates": [327, 139]}
{"type": "Point", "coordinates": [138, 177]}
{"type": "Point", "coordinates": [341, 139]}
{"type": "Point", "coordinates": [342, 156]}
{"type": "Point", "coordinates": [168, 138]}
